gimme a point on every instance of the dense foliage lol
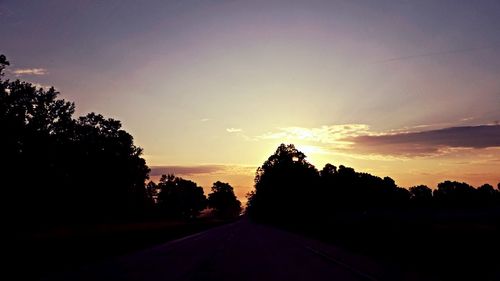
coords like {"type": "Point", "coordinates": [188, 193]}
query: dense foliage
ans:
{"type": "Point", "coordinates": [180, 198]}
{"type": "Point", "coordinates": [224, 201]}
{"type": "Point", "coordinates": [56, 167]}
{"type": "Point", "coordinates": [289, 189]}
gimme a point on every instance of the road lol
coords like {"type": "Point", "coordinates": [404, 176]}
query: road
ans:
{"type": "Point", "coordinates": [239, 251]}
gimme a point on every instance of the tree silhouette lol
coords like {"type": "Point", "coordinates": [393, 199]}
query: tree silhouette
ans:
{"type": "Point", "coordinates": [55, 167]}
{"type": "Point", "coordinates": [108, 154]}
{"type": "Point", "coordinates": [328, 171]}
{"type": "Point", "coordinates": [223, 200]}
{"type": "Point", "coordinates": [153, 190]}
{"type": "Point", "coordinates": [421, 195]}
{"type": "Point", "coordinates": [487, 195]}
{"type": "Point", "coordinates": [3, 63]}
{"type": "Point", "coordinates": [284, 186]}
{"type": "Point", "coordinates": [289, 189]}
{"type": "Point", "coordinates": [455, 194]}
{"type": "Point", "coordinates": [180, 198]}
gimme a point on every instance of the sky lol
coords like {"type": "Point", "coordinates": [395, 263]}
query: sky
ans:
{"type": "Point", "coordinates": [209, 89]}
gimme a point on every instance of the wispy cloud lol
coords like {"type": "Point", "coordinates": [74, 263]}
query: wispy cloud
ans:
{"type": "Point", "coordinates": [43, 86]}
{"type": "Point", "coordinates": [30, 71]}
{"type": "Point", "coordinates": [469, 118]}
{"type": "Point", "coordinates": [205, 119]}
{"type": "Point", "coordinates": [428, 142]}
{"type": "Point", "coordinates": [331, 134]}
{"type": "Point", "coordinates": [234, 130]}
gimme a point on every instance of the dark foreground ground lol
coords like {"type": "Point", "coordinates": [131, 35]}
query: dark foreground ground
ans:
{"type": "Point", "coordinates": [35, 254]}
{"type": "Point", "coordinates": [243, 251]}
{"type": "Point", "coordinates": [442, 245]}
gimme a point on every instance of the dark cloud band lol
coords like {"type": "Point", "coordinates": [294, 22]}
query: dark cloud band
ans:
{"type": "Point", "coordinates": [425, 142]}
{"type": "Point", "coordinates": [186, 170]}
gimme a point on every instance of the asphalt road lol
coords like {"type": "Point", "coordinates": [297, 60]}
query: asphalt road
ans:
{"type": "Point", "coordinates": [239, 251]}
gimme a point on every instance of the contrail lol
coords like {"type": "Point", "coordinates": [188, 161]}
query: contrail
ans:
{"type": "Point", "coordinates": [447, 52]}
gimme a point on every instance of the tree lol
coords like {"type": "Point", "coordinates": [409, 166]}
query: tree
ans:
{"type": "Point", "coordinates": [455, 194]}
{"type": "Point", "coordinates": [285, 187]}
{"type": "Point", "coordinates": [421, 195]}
{"type": "Point", "coordinates": [487, 195]}
{"type": "Point", "coordinates": [56, 168]}
{"type": "Point", "coordinates": [486, 189]}
{"type": "Point", "coordinates": [328, 171]}
{"type": "Point", "coordinates": [223, 200]}
{"type": "Point", "coordinates": [3, 63]}
{"type": "Point", "coordinates": [107, 153]}
{"type": "Point", "coordinates": [153, 191]}
{"type": "Point", "coordinates": [34, 125]}
{"type": "Point", "coordinates": [180, 198]}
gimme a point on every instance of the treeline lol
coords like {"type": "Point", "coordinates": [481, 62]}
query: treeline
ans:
{"type": "Point", "coordinates": [289, 189]}
{"type": "Point", "coordinates": [63, 169]}
{"type": "Point", "coordinates": [179, 198]}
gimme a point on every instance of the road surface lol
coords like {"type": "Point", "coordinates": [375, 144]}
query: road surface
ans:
{"type": "Point", "coordinates": [239, 251]}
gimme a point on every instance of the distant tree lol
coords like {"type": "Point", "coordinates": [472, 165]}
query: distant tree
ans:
{"type": "Point", "coordinates": [455, 194]}
{"type": "Point", "coordinates": [152, 190]}
{"type": "Point", "coordinates": [362, 191]}
{"type": "Point", "coordinates": [224, 201]}
{"type": "Point", "coordinates": [328, 171]}
{"type": "Point", "coordinates": [421, 194]}
{"type": "Point", "coordinates": [486, 189]}
{"type": "Point", "coordinates": [180, 198]}
{"type": "Point", "coordinates": [3, 63]}
{"type": "Point", "coordinates": [487, 195]}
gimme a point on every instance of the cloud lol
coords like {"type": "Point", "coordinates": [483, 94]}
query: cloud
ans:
{"type": "Point", "coordinates": [428, 142]}
{"type": "Point", "coordinates": [186, 170]}
{"type": "Point", "coordinates": [331, 134]}
{"type": "Point", "coordinates": [234, 130]}
{"type": "Point", "coordinates": [190, 170]}
{"type": "Point", "coordinates": [358, 141]}
{"type": "Point", "coordinates": [43, 86]}
{"type": "Point", "coordinates": [30, 71]}
{"type": "Point", "coordinates": [204, 119]}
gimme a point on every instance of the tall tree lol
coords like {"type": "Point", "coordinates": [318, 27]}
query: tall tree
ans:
{"type": "Point", "coordinates": [285, 186]}
{"type": "Point", "coordinates": [56, 168]}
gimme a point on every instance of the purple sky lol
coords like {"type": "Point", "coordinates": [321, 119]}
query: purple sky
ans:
{"type": "Point", "coordinates": [222, 83]}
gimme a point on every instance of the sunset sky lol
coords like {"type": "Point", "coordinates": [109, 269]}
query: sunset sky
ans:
{"type": "Point", "coordinates": [209, 89]}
